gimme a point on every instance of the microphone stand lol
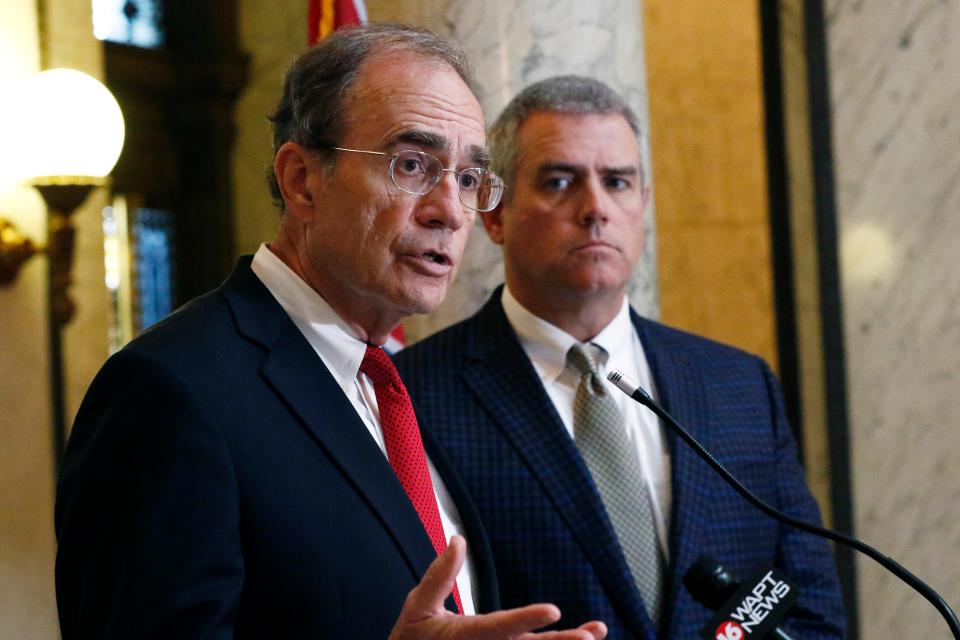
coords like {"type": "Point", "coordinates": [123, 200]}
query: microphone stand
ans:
{"type": "Point", "coordinates": [891, 565]}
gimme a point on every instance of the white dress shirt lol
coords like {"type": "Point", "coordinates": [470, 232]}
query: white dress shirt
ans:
{"type": "Point", "coordinates": [342, 352]}
{"type": "Point", "coordinates": [546, 345]}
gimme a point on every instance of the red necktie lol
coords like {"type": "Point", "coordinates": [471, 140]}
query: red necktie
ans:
{"type": "Point", "coordinates": [404, 446]}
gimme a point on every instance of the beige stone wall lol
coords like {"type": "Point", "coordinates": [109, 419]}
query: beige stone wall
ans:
{"type": "Point", "coordinates": [272, 33]}
{"type": "Point", "coordinates": [894, 89]}
{"type": "Point", "coordinates": [27, 607]}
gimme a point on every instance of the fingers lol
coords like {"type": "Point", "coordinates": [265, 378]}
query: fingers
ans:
{"type": "Point", "coordinates": [568, 634]}
{"type": "Point", "coordinates": [513, 623]}
{"type": "Point", "coordinates": [427, 597]}
{"type": "Point", "coordinates": [424, 616]}
{"type": "Point", "coordinates": [594, 630]}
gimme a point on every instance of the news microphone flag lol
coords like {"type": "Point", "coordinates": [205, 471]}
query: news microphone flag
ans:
{"type": "Point", "coordinates": [326, 16]}
{"type": "Point", "coordinates": [743, 612]}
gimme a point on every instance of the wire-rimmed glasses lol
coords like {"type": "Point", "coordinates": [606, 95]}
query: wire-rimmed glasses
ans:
{"type": "Point", "coordinates": [417, 173]}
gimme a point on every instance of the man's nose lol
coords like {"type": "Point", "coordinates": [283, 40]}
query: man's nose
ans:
{"type": "Point", "coordinates": [444, 209]}
{"type": "Point", "coordinates": [594, 204]}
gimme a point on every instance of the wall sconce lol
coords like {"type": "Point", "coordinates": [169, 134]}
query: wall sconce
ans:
{"type": "Point", "coordinates": [67, 135]}
{"type": "Point", "coordinates": [15, 249]}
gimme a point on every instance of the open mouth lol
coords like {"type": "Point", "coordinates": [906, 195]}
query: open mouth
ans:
{"type": "Point", "coordinates": [436, 258]}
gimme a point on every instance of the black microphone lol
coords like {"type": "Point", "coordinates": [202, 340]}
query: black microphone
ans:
{"type": "Point", "coordinates": [752, 610]}
{"type": "Point", "coordinates": [637, 393]}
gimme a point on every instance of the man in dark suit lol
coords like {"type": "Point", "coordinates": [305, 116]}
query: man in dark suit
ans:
{"type": "Point", "coordinates": [252, 467]}
{"type": "Point", "coordinates": [588, 501]}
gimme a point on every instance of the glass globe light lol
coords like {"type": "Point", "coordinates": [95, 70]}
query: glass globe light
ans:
{"type": "Point", "coordinates": [69, 129]}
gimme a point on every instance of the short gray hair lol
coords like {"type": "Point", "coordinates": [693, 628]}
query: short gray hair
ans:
{"type": "Point", "coordinates": [311, 110]}
{"type": "Point", "coordinates": [559, 94]}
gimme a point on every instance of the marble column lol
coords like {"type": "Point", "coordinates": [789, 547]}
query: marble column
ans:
{"type": "Point", "coordinates": [894, 89]}
{"type": "Point", "coordinates": [513, 44]}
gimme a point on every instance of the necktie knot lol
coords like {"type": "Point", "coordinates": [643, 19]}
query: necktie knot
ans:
{"type": "Point", "coordinates": [378, 366]}
{"type": "Point", "coordinates": [587, 358]}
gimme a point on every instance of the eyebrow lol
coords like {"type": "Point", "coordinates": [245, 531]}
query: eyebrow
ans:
{"type": "Point", "coordinates": [432, 141]}
{"type": "Point", "coordinates": [628, 170]}
{"type": "Point", "coordinates": [478, 155]}
{"type": "Point", "coordinates": [576, 169]}
{"type": "Point", "coordinates": [565, 167]}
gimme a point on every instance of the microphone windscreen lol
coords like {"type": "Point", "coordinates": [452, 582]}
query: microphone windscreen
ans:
{"type": "Point", "coordinates": [709, 583]}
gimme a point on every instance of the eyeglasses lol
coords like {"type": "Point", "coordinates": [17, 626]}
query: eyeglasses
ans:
{"type": "Point", "coordinates": [417, 173]}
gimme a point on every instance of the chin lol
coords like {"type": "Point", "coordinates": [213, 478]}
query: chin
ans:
{"type": "Point", "coordinates": [595, 282]}
{"type": "Point", "coordinates": [421, 302]}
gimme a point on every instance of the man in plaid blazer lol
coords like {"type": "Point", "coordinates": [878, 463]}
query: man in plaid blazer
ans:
{"type": "Point", "coordinates": [498, 392]}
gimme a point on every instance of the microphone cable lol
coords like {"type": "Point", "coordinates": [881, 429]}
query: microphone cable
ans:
{"type": "Point", "coordinates": [637, 393]}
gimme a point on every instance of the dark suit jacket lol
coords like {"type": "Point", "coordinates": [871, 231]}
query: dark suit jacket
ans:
{"type": "Point", "coordinates": [218, 484]}
{"type": "Point", "coordinates": [552, 541]}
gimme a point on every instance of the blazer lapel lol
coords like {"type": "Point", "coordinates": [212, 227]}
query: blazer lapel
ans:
{"type": "Point", "coordinates": [504, 380]}
{"type": "Point", "coordinates": [486, 597]}
{"type": "Point", "coordinates": [680, 390]}
{"type": "Point", "coordinates": [298, 376]}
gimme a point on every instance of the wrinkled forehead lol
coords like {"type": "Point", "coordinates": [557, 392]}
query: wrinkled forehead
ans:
{"type": "Point", "coordinates": [592, 141]}
{"type": "Point", "coordinates": [402, 94]}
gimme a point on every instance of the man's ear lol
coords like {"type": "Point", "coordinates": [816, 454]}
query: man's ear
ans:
{"type": "Point", "coordinates": [296, 170]}
{"type": "Point", "coordinates": [493, 223]}
{"type": "Point", "coordinates": [645, 196]}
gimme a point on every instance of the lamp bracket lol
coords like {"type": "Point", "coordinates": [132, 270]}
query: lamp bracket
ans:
{"type": "Point", "coordinates": [15, 249]}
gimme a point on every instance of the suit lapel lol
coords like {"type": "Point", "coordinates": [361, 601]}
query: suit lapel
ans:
{"type": "Point", "coordinates": [486, 597]}
{"type": "Point", "coordinates": [680, 389]}
{"type": "Point", "coordinates": [298, 376]}
{"type": "Point", "coordinates": [504, 380]}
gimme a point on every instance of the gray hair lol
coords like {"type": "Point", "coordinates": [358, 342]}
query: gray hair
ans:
{"type": "Point", "coordinates": [311, 109]}
{"type": "Point", "coordinates": [559, 94]}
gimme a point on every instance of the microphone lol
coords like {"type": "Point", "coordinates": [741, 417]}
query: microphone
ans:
{"type": "Point", "coordinates": [637, 393]}
{"type": "Point", "coordinates": [753, 609]}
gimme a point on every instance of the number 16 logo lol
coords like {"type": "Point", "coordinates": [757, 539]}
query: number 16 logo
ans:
{"type": "Point", "coordinates": [730, 631]}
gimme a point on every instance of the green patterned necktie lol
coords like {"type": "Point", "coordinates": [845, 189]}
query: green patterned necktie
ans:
{"type": "Point", "coordinates": [612, 459]}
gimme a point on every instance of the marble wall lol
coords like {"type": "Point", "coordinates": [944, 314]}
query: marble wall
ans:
{"type": "Point", "coordinates": [895, 88]}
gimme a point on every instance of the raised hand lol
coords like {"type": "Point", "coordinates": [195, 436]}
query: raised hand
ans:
{"type": "Point", "coordinates": [424, 617]}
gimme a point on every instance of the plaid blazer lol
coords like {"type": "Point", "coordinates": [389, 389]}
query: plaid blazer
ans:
{"type": "Point", "coordinates": [475, 389]}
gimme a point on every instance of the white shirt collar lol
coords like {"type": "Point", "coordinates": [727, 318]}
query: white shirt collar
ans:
{"type": "Point", "coordinates": [339, 347]}
{"type": "Point", "coordinates": [547, 344]}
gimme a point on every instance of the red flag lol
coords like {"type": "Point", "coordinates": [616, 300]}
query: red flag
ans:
{"type": "Point", "coordinates": [326, 16]}
{"type": "Point", "coordinates": [396, 341]}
